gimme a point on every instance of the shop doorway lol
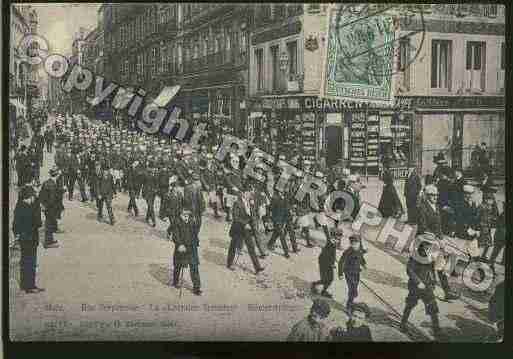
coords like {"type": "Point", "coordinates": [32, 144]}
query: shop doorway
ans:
{"type": "Point", "coordinates": [334, 145]}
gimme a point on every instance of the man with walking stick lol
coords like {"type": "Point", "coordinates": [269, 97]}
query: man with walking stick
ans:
{"type": "Point", "coordinates": [186, 252]}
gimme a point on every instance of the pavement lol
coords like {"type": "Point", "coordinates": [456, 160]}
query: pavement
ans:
{"type": "Point", "coordinates": [110, 283]}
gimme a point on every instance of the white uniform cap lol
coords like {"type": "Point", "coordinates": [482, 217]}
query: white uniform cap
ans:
{"type": "Point", "coordinates": [468, 189]}
{"type": "Point", "coordinates": [431, 189]}
{"type": "Point", "coordinates": [319, 174]}
{"type": "Point", "coordinates": [352, 178]}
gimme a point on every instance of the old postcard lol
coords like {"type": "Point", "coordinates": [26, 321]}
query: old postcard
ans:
{"type": "Point", "coordinates": [256, 172]}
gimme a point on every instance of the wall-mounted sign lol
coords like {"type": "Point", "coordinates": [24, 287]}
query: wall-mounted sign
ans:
{"type": "Point", "coordinates": [448, 102]}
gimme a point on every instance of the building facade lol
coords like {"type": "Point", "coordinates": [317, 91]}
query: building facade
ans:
{"type": "Point", "coordinates": [203, 48]}
{"type": "Point", "coordinates": [456, 94]}
{"type": "Point", "coordinates": [22, 76]}
{"type": "Point", "coordinates": [444, 77]}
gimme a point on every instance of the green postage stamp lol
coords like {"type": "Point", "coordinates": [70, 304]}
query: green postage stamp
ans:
{"type": "Point", "coordinates": [359, 54]}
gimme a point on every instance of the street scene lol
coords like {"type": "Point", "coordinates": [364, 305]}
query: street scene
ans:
{"type": "Point", "coordinates": [257, 172]}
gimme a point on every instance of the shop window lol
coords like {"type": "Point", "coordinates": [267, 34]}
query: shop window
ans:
{"type": "Point", "coordinates": [259, 59]}
{"type": "Point", "coordinates": [475, 66]}
{"type": "Point", "coordinates": [441, 62]}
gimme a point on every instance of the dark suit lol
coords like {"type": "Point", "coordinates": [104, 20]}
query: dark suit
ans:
{"type": "Point", "coordinates": [50, 198]}
{"type": "Point", "coordinates": [239, 233]}
{"type": "Point", "coordinates": [27, 220]}
{"type": "Point", "coordinates": [106, 191]}
{"type": "Point", "coordinates": [132, 183]}
{"type": "Point", "coordinates": [281, 216]}
{"type": "Point", "coordinates": [430, 220]}
{"type": "Point", "coordinates": [171, 206]}
{"type": "Point", "coordinates": [412, 189]}
{"type": "Point", "coordinates": [149, 191]}
{"type": "Point", "coordinates": [185, 235]}
{"type": "Point", "coordinates": [194, 201]}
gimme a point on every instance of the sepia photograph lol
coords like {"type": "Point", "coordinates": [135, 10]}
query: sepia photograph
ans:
{"type": "Point", "coordinates": [255, 172]}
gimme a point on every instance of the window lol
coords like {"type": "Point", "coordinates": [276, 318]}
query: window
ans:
{"type": "Point", "coordinates": [403, 61]}
{"type": "Point", "coordinates": [153, 60]}
{"type": "Point", "coordinates": [275, 67]}
{"type": "Point", "coordinates": [259, 59]}
{"type": "Point", "coordinates": [292, 52]}
{"type": "Point", "coordinates": [476, 56]}
{"type": "Point", "coordinates": [243, 42]}
{"type": "Point", "coordinates": [441, 62]}
{"type": "Point", "coordinates": [490, 10]}
{"type": "Point", "coordinates": [503, 52]}
{"type": "Point", "coordinates": [279, 11]}
{"type": "Point", "coordinates": [139, 64]}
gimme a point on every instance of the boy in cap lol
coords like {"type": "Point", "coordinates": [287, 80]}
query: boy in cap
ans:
{"type": "Point", "coordinates": [312, 328]}
{"type": "Point", "coordinates": [327, 262]}
{"type": "Point", "coordinates": [357, 328]}
{"type": "Point", "coordinates": [350, 265]}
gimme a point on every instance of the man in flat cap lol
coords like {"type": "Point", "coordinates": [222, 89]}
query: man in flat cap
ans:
{"type": "Point", "coordinates": [27, 221]}
{"type": "Point", "coordinates": [312, 328]}
{"type": "Point", "coordinates": [49, 198]}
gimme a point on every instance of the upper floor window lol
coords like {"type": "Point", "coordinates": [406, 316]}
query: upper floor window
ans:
{"type": "Point", "coordinates": [279, 11]}
{"type": "Point", "coordinates": [292, 53]}
{"type": "Point", "coordinates": [503, 54]}
{"type": "Point", "coordinates": [259, 59]}
{"type": "Point", "coordinates": [490, 10]}
{"type": "Point", "coordinates": [441, 62]}
{"type": "Point", "coordinates": [476, 65]}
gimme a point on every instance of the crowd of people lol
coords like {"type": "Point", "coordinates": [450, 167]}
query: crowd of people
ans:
{"type": "Point", "coordinates": [102, 161]}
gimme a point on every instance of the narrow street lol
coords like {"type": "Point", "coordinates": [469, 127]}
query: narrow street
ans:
{"type": "Point", "coordinates": [110, 283]}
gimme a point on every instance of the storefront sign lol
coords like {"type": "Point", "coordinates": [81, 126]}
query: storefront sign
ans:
{"type": "Point", "coordinates": [276, 33]}
{"type": "Point", "coordinates": [399, 172]}
{"type": "Point", "coordinates": [448, 102]}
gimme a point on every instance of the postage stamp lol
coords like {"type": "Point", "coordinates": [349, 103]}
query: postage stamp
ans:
{"type": "Point", "coordinates": [362, 43]}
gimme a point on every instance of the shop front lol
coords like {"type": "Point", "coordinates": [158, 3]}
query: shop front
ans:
{"type": "Point", "coordinates": [457, 127]}
{"type": "Point", "coordinates": [335, 133]}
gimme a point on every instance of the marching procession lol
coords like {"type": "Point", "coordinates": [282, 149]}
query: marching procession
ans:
{"type": "Point", "coordinates": [103, 161]}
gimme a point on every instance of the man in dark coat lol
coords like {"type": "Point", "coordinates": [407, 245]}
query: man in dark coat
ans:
{"type": "Point", "coordinates": [27, 221]}
{"type": "Point", "coordinates": [73, 166]}
{"type": "Point", "coordinates": [186, 251]}
{"type": "Point", "coordinates": [149, 191]}
{"type": "Point", "coordinates": [412, 189]}
{"type": "Point", "coordinates": [421, 285]}
{"type": "Point", "coordinates": [467, 216]}
{"type": "Point", "coordinates": [496, 310]}
{"type": "Point", "coordinates": [171, 206]}
{"type": "Point", "coordinates": [280, 212]}
{"type": "Point", "coordinates": [241, 229]}
{"type": "Point", "coordinates": [23, 166]}
{"type": "Point", "coordinates": [193, 199]}
{"type": "Point", "coordinates": [49, 139]}
{"type": "Point", "coordinates": [105, 194]}
{"type": "Point", "coordinates": [49, 198]}
{"type": "Point", "coordinates": [132, 183]}
{"type": "Point", "coordinates": [327, 260]}
{"type": "Point", "coordinates": [430, 221]}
